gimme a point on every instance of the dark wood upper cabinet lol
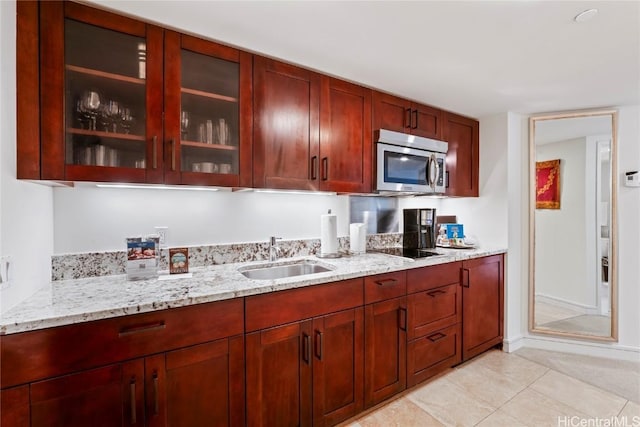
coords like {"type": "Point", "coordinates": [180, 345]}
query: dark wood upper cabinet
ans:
{"type": "Point", "coordinates": [286, 136]}
{"type": "Point", "coordinates": [104, 97]}
{"type": "Point", "coordinates": [463, 156]}
{"type": "Point", "coordinates": [401, 115]}
{"type": "Point", "coordinates": [345, 137]}
{"type": "Point", "coordinates": [101, 95]}
{"type": "Point", "coordinates": [311, 132]}
{"type": "Point", "coordinates": [122, 100]}
{"type": "Point", "coordinates": [207, 113]}
{"type": "Point", "coordinates": [482, 304]}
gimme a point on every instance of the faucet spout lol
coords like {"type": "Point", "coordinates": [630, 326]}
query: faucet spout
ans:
{"type": "Point", "coordinates": [273, 249]}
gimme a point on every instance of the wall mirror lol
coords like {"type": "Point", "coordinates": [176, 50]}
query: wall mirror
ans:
{"type": "Point", "coordinates": [572, 284]}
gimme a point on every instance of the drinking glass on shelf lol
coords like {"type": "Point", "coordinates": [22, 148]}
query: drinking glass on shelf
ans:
{"type": "Point", "coordinates": [126, 119]}
{"type": "Point", "coordinates": [91, 104]}
{"type": "Point", "coordinates": [185, 119]}
{"type": "Point", "coordinates": [83, 116]}
{"type": "Point", "coordinates": [113, 112]}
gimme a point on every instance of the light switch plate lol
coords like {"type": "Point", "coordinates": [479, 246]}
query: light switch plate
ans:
{"type": "Point", "coordinates": [162, 232]}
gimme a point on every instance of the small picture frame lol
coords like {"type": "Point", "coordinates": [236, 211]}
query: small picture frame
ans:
{"type": "Point", "coordinates": [178, 260]}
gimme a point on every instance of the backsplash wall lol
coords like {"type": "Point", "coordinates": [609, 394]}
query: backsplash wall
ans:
{"type": "Point", "coordinates": [90, 219]}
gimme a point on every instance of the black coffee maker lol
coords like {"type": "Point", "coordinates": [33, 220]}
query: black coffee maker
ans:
{"type": "Point", "coordinates": [419, 228]}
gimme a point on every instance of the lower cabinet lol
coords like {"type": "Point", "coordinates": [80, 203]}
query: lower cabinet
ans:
{"type": "Point", "coordinates": [200, 385]}
{"type": "Point", "coordinates": [435, 316]}
{"type": "Point", "coordinates": [307, 372]}
{"type": "Point", "coordinates": [386, 349]}
{"type": "Point", "coordinates": [109, 396]}
{"type": "Point", "coordinates": [315, 355]}
{"type": "Point", "coordinates": [482, 304]}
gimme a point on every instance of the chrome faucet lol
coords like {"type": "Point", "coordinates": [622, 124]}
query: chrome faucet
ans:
{"type": "Point", "coordinates": [273, 249]}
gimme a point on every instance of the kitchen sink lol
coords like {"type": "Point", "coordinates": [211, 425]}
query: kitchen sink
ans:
{"type": "Point", "coordinates": [280, 271]}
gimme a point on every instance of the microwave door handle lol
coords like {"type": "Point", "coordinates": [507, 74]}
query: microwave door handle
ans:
{"type": "Point", "coordinates": [433, 171]}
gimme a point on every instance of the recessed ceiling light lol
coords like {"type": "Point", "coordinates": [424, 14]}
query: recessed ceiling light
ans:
{"type": "Point", "coordinates": [585, 15]}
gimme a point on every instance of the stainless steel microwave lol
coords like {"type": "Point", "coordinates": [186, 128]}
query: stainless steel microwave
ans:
{"type": "Point", "coordinates": [409, 163]}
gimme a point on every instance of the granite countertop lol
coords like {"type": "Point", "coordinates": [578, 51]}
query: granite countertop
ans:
{"type": "Point", "coordinates": [67, 302]}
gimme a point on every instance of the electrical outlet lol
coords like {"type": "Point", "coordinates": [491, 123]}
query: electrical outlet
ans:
{"type": "Point", "coordinates": [162, 232]}
{"type": "Point", "coordinates": [5, 272]}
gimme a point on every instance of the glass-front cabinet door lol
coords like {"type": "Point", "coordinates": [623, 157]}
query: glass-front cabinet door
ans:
{"type": "Point", "coordinates": [205, 123]}
{"type": "Point", "coordinates": [102, 96]}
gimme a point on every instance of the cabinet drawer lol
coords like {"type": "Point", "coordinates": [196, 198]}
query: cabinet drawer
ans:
{"type": "Point", "coordinates": [430, 355]}
{"type": "Point", "coordinates": [385, 286]}
{"type": "Point", "coordinates": [434, 309]}
{"type": "Point", "coordinates": [41, 354]}
{"type": "Point", "coordinates": [277, 308]}
{"type": "Point", "coordinates": [421, 279]}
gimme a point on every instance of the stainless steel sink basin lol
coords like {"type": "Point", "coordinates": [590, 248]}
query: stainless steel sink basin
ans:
{"type": "Point", "coordinates": [279, 271]}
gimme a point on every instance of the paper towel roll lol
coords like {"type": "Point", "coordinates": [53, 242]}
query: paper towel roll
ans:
{"type": "Point", "coordinates": [357, 237]}
{"type": "Point", "coordinates": [328, 235]}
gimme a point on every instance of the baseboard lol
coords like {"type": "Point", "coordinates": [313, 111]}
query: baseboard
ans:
{"type": "Point", "coordinates": [559, 302]}
{"type": "Point", "coordinates": [509, 345]}
{"type": "Point", "coordinates": [611, 351]}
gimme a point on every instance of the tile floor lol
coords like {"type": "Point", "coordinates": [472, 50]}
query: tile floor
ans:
{"type": "Point", "coordinates": [501, 389]}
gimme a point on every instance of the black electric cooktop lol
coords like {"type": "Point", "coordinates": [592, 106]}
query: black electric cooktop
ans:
{"type": "Point", "coordinates": [407, 253]}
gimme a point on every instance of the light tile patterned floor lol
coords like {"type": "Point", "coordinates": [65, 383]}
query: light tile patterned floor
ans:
{"type": "Point", "coordinates": [501, 389]}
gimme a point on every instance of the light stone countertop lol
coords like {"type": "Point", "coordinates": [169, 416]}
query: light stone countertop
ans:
{"type": "Point", "coordinates": [67, 302]}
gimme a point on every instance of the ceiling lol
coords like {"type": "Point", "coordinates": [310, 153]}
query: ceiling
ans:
{"type": "Point", "coordinates": [476, 58]}
{"type": "Point", "coordinates": [548, 131]}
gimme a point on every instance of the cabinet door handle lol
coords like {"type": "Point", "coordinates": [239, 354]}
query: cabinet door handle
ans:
{"type": "Point", "coordinates": [325, 168]}
{"type": "Point", "coordinates": [402, 318]}
{"type": "Point", "coordinates": [415, 115]}
{"type": "Point", "coordinates": [314, 167]}
{"type": "Point", "coordinates": [436, 337]}
{"type": "Point", "coordinates": [154, 153]}
{"type": "Point", "coordinates": [319, 345]}
{"type": "Point", "coordinates": [306, 348]}
{"type": "Point", "coordinates": [156, 401]}
{"type": "Point", "coordinates": [173, 154]}
{"type": "Point", "coordinates": [132, 390]}
{"type": "Point", "coordinates": [142, 328]}
{"type": "Point", "coordinates": [465, 277]}
{"type": "Point", "coordinates": [407, 118]}
{"type": "Point", "coordinates": [386, 282]}
{"type": "Point", "coordinates": [433, 294]}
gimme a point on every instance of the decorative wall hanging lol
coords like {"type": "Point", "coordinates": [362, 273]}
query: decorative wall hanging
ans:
{"type": "Point", "coordinates": [548, 184]}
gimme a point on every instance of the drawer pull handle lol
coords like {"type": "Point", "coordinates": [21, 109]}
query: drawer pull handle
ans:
{"type": "Point", "coordinates": [402, 318]}
{"type": "Point", "coordinates": [142, 328]}
{"type": "Point", "coordinates": [386, 282]}
{"type": "Point", "coordinates": [433, 294]}
{"type": "Point", "coordinates": [319, 345]}
{"type": "Point", "coordinates": [306, 350]}
{"type": "Point", "coordinates": [132, 390]}
{"type": "Point", "coordinates": [465, 278]}
{"type": "Point", "coordinates": [436, 337]}
{"type": "Point", "coordinates": [156, 401]}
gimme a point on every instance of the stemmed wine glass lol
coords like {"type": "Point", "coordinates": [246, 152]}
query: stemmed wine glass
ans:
{"type": "Point", "coordinates": [126, 119]}
{"type": "Point", "coordinates": [90, 105]}
{"type": "Point", "coordinates": [185, 119]}
{"type": "Point", "coordinates": [113, 113]}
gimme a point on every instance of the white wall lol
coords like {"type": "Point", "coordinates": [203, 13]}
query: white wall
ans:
{"type": "Point", "coordinates": [26, 209]}
{"type": "Point", "coordinates": [98, 219]}
{"type": "Point", "coordinates": [560, 262]}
